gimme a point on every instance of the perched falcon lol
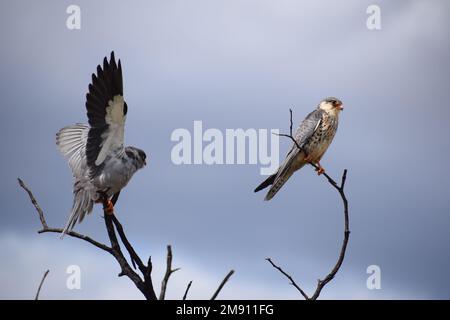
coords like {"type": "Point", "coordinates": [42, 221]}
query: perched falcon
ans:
{"type": "Point", "coordinates": [100, 163]}
{"type": "Point", "coordinates": [313, 137]}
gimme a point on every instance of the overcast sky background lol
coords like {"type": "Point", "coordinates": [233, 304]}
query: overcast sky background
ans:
{"type": "Point", "coordinates": [234, 64]}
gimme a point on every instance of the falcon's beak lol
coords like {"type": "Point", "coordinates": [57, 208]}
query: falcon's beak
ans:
{"type": "Point", "coordinates": [340, 106]}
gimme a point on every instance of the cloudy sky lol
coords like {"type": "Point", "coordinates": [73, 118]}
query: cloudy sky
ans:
{"type": "Point", "coordinates": [234, 64]}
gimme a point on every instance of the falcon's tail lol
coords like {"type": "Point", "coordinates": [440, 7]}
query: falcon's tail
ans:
{"type": "Point", "coordinates": [82, 205]}
{"type": "Point", "coordinates": [266, 183]}
{"type": "Point", "coordinates": [278, 182]}
{"type": "Point", "coordinates": [292, 163]}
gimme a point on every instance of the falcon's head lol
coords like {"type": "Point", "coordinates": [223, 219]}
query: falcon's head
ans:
{"type": "Point", "coordinates": [137, 156]}
{"type": "Point", "coordinates": [331, 105]}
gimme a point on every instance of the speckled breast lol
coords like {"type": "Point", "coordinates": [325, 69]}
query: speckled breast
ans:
{"type": "Point", "coordinates": [321, 139]}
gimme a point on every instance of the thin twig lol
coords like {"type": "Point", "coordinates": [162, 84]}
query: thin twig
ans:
{"type": "Point", "coordinates": [34, 202]}
{"type": "Point", "coordinates": [133, 255]}
{"type": "Point", "coordinates": [78, 236]}
{"type": "Point", "coordinates": [290, 135]}
{"type": "Point", "coordinates": [168, 273]}
{"type": "Point", "coordinates": [118, 225]}
{"type": "Point", "coordinates": [187, 290]}
{"type": "Point", "coordinates": [227, 277]}
{"type": "Point", "coordinates": [40, 285]}
{"type": "Point", "coordinates": [331, 275]}
{"type": "Point", "coordinates": [330, 180]}
{"type": "Point", "coordinates": [292, 281]}
{"type": "Point", "coordinates": [149, 267]}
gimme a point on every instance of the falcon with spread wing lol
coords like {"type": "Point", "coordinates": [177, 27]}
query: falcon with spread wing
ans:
{"type": "Point", "coordinates": [313, 138]}
{"type": "Point", "coordinates": [100, 163]}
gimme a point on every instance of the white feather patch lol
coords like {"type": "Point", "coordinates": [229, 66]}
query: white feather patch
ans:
{"type": "Point", "coordinates": [317, 125]}
{"type": "Point", "coordinates": [114, 136]}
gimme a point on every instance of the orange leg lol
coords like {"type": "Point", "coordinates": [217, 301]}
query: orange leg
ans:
{"type": "Point", "coordinates": [320, 169]}
{"type": "Point", "coordinates": [109, 207]}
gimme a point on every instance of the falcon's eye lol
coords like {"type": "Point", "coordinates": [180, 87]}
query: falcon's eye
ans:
{"type": "Point", "coordinates": [130, 154]}
{"type": "Point", "coordinates": [336, 103]}
{"type": "Point", "coordinates": [142, 155]}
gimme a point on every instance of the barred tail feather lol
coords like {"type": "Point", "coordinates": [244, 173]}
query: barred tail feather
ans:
{"type": "Point", "coordinates": [278, 183]}
{"type": "Point", "coordinates": [82, 205]}
{"type": "Point", "coordinates": [293, 162]}
{"type": "Point", "coordinates": [266, 183]}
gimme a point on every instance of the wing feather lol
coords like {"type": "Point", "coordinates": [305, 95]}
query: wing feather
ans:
{"type": "Point", "coordinates": [308, 127]}
{"type": "Point", "coordinates": [115, 119]}
{"type": "Point", "coordinates": [71, 141]}
{"type": "Point", "coordinates": [106, 111]}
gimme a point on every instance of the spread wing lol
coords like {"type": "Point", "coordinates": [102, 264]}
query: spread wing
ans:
{"type": "Point", "coordinates": [106, 111]}
{"type": "Point", "coordinates": [71, 141]}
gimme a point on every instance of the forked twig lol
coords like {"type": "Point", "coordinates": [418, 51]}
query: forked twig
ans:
{"type": "Point", "coordinates": [168, 273]}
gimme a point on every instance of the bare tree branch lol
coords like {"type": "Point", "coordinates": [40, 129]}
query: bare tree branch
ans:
{"type": "Point", "coordinates": [135, 259]}
{"type": "Point", "coordinates": [340, 188]}
{"type": "Point", "coordinates": [227, 277]}
{"type": "Point", "coordinates": [187, 290]}
{"type": "Point", "coordinates": [330, 276]}
{"type": "Point", "coordinates": [120, 230]}
{"type": "Point", "coordinates": [34, 202]}
{"type": "Point", "coordinates": [126, 270]}
{"type": "Point", "coordinates": [78, 236]}
{"type": "Point", "coordinates": [169, 272]}
{"type": "Point", "coordinates": [46, 228]}
{"type": "Point", "coordinates": [143, 283]}
{"type": "Point", "coordinates": [40, 285]}
{"type": "Point", "coordinates": [292, 281]}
